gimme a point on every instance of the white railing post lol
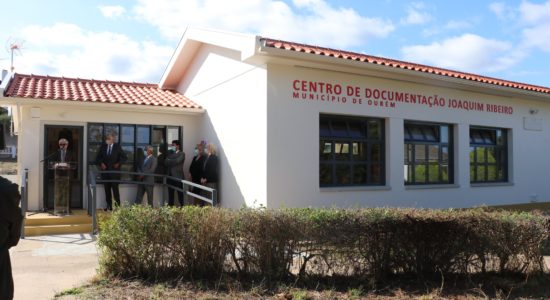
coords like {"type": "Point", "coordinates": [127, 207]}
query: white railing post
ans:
{"type": "Point", "coordinates": [24, 199]}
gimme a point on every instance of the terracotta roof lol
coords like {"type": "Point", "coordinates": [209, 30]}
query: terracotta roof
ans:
{"type": "Point", "coordinates": [290, 46]}
{"type": "Point", "coordinates": [89, 90]}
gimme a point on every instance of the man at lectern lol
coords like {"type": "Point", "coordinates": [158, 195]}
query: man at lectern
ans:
{"type": "Point", "coordinates": [62, 192]}
{"type": "Point", "coordinates": [63, 154]}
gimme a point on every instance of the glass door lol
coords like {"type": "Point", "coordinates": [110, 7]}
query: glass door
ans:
{"type": "Point", "coordinates": [73, 135]}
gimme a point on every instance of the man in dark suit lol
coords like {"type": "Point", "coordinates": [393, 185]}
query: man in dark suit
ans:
{"type": "Point", "coordinates": [11, 221]}
{"type": "Point", "coordinates": [109, 158]}
{"type": "Point", "coordinates": [63, 154]}
{"type": "Point", "coordinates": [62, 192]}
{"type": "Point", "coordinates": [195, 170]}
{"type": "Point", "coordinates": [174, 164]}
{"type": "Point", "coordinates": [210, 169]}
{"type": "Point", "coordinates": [148, 166]}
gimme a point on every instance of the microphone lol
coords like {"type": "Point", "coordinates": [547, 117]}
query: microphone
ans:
{"type": "Point", "coordinates": [50, 155]}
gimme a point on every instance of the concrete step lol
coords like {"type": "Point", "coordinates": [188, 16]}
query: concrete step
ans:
{"type": "Point", "coordinates": [58, 220]}
{"type": "Point", "coordinates": [48, 224]}
{"type": "Point", "coordinates": [57, 229]}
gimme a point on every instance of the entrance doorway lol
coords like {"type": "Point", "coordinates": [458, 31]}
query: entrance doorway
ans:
{"type": "Point", "coordinates": [74, 136]}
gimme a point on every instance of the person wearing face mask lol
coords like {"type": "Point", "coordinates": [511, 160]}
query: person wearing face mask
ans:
{"type": "Point", "coordinates": [174, 165]}
{"type": "Point", "coordinates": [195, 170]}
{"type": "Point", "coordinates": [148, 166]}
{"type": "Point", "coordinates": [210, 168]}
{"type": "Point", "coordinates": [109, 158]}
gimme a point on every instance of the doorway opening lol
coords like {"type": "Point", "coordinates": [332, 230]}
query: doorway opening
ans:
{"type": "Point", "coordinates": [74, 154]}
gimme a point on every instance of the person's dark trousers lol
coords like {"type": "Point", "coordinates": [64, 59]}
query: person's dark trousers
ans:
{"type": "Point", "coordinates": [6, 279]}
{"type": "Point", "coordinates": [171, 192]}
{"type": "Point", "coordinates": [111, 189]}
{"type": "Point", "coordinates": [142, 189]}
{"type": "Point", "coordinates": [197, 191]}
{"type": "Point", "coordinates": [149, 189]}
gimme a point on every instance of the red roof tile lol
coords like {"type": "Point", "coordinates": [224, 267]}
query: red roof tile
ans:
{"type": "Point", "coordinates": [290, 46]}
{"type": "Point", "coordinates": [89, 90]}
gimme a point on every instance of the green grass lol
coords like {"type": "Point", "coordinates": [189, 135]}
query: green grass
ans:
{"type": "Point", "coordinates": [299, 294]}
{"type": "Point", "coordinates": [355, 293]}
{"type": "Point", "coordinates": [490, 287]}
{"type": "Point", "coordinates": [70, 292]}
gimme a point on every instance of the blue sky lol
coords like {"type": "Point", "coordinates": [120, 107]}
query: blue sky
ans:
{"type": "Point", "coordinates": [133, 40]}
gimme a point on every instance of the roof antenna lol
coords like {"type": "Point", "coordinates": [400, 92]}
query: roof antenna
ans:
{"type": "Point", "coordinates": [13, 46]}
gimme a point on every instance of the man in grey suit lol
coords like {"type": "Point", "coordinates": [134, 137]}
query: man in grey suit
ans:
{"type": "Point", "coordinates": [148, 166]}
{"type": "Point", "coordinates": [174, 165]}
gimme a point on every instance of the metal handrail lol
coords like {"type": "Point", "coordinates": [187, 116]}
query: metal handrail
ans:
{"type": "Point", "coordinates": [24, 199]}
{"type": "Point", "coordinates": [94, 180]}
{"type": "Point", "coordinates": [92, 197]}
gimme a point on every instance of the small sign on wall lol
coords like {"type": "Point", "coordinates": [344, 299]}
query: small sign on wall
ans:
{"type": "Point", "coordinates": [35, 112]}
{"type": "Point", "coordinates": [532, 123]}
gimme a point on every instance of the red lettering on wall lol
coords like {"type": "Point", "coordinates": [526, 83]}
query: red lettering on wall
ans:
{"type": "Point", "coordinates": [380, 97]}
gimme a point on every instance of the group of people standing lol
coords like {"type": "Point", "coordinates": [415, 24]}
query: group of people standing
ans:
{"type": "Point", "coordinates": [203, 170]}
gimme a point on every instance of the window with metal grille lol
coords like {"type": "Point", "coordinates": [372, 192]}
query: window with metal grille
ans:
{"type": "Point", "coordinates": [133, 139]}
{"type": "Point", "coordinates": [488, 155]}
{"type": "Point", "coordinates": [351, 151]}
{"type": "Point", "coordinates": [428, 153]}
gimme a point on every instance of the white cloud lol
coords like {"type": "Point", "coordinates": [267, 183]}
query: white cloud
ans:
{"type": "Point", "coordinates": [536, 21]}
{"type": "Point", "coordinates": [503, 11]}
{"type": "Point", "coordinates": [308, 21]}
{"type": "Point", "coordinates": [498, 9]}
{"type": "Point", "coordinates": [457, 25]}
{"type": "Point", "coordinates": [112, 11]}
{"type": "Point", "coordinates": [416, 15]}
{"type": "Point", "coordinates": [68, 50]}
{"type": "Point", "coordinates": [452, 25]}
{"type": "Point", "coordinates": [537, 36]}
{"type": "Point", "coordinates": [468, 52]}
{"type": "Point", "coordinates": [534, 13]}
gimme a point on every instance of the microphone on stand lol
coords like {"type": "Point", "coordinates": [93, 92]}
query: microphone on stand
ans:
{"type": "Point", "coordinates": [50, 155]}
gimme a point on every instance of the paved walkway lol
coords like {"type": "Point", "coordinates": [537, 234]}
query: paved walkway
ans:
{"type": "Point", "coordinates": [45, 265]}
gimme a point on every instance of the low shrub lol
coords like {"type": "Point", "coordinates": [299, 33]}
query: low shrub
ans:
{"type": "Point", "coordinates": [164, 243]}
{"type": "Point", "coordinates": [372, 243]}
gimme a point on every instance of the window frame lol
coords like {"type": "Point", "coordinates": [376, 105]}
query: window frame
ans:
{"type": "Point", "coordinates": [497, 148]}
{"type": "Point", "coordinates": [366, 143]}
{"type": "Point", "coordinates": [410, 158]}
{"type": "Point", "coordinates": [129, 164]}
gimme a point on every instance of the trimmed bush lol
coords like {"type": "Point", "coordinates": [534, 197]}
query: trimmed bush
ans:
{"type": "Point", "coordinates": [196, 243]}
{"type": "Point", "coordinates": [165, 243]}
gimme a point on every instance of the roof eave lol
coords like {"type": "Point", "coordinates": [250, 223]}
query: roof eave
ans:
{"type": "Point", "coordinates": [382, 71]}
{"type": "Point", "coordinates": [102, 105]}
{"type": "Point", "coordinates": [189, 45]}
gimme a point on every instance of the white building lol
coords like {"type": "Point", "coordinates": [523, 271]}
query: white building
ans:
{"type": "Point", "coordinates": [301, 125]}
{"type": "Point", "coordinates": [48, 108]}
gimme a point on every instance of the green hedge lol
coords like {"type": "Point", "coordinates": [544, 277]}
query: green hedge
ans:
{"type": "Point", "coordinates": [196, 243]}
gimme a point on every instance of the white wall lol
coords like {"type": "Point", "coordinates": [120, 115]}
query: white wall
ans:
{"type": "Point", "coordinates": [31, 137]}
{"type": "Point", "coordinates": [293, 145]}
{"type": "Point", "coordinates": [234, 96]}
